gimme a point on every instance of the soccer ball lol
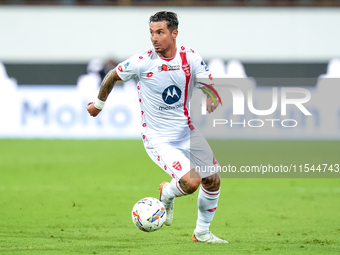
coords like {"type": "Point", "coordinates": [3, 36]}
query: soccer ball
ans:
{"type": "Point", "coordinates": [148, 214]}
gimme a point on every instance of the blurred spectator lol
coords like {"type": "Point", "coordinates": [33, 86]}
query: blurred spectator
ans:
{"type": "Point", "coordinates": [235, 69]}
{"type": "Point", "coordinates": [96, 71]}
{"type": "Point", "coordinates": [330, 86]}
{"type": "Point", "coordinates": [8, 89]}
{"type": "Point", "coordinates": [91, 81]}
{"type": "Point", "coordinates": [6, 83]}
{"type": "Point", "coordinates": [216, 66]}
{"type": "Point", "coordinates": [333, 69]}
{"type": "Point", "coordinates": [109, 65]}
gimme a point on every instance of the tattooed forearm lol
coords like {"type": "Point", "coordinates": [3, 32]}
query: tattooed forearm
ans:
{"type": "Point", "coordinates": [107, 84]}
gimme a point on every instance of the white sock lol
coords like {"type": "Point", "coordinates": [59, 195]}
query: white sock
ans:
{"type": "Point", "coordinates": [207, 204]}
{"type": "Point", "coordinates": [173, 190]}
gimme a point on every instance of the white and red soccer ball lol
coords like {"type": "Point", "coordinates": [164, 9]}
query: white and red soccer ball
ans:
{"type": "Point", "coordinates": [148, 214]}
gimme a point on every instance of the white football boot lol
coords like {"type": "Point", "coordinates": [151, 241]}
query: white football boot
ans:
{"type": "Point", "coordinates": [206, 237]}
{"type": "Point", "coordinates": [168, 204]}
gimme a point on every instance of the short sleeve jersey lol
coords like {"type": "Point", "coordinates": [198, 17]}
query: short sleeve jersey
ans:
{"type": "Point", "coordinates": [164, 90]}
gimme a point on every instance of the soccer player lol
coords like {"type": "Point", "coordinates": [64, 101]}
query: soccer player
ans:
{"type": "Point", "coordinates": [166, 77]}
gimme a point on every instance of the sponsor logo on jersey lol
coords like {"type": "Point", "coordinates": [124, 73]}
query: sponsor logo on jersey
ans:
{"type": "Point", "coordinates": [171, 94]}
{"type": "Point", "coordinates": [126, 65]}
{"type": "Point", "coordinates": [120, 68]}
{"type": "Point", "coordinates": [205, 65]}
{"type": "Point", "coordinates": [168, 68]}
{"type": "Point", "coordinates": [149, 74]}
{"type": "Point", "coordinates": [162, 108]}
{"type": "Point", "coordinates": [177, 165]}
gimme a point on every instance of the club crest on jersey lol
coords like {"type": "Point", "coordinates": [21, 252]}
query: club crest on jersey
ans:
{"type": "Point", "coordinates": [186, 69]}
{"type": "Point", "coordinates": [168, 68]}
{"type": "Point", "coordinates": [171, 94]}
{"type": "Point", "coordinates": [177, 165]}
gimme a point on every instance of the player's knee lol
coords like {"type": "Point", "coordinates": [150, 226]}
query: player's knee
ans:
{"type": "Point", "coordinates": [189, 186]}
{"type": "Point", "coordinates": [217, 182]}
{"type": "Point", "coordinates": [212, 183]}
{"type": "Point", "coordinates": [194, 184]}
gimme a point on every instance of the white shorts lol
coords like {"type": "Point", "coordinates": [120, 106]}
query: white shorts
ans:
{"type": "Point", "coordinates": [177, 158]}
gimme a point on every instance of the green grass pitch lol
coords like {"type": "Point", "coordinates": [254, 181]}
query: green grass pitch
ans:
{"type": "Point", "coordinates": [76, 197]}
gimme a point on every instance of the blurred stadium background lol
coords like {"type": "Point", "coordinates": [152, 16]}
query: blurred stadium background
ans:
{"type": "Point", "coordinates": [63, 196]}
{"type": "Point", "coordinates": [51, 42]}
{"type": "Point", "coordinates": [57, 52]}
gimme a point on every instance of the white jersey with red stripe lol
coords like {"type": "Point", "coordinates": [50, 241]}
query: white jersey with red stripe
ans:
{"type": "Point", "coordinates": [164, 89]}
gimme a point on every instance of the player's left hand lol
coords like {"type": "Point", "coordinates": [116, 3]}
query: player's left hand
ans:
{"type": "Point", "coordinates": [211, 106]}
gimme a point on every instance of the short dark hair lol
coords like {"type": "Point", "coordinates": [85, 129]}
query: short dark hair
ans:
{"type": "Point", "coordinates": [170, 17]}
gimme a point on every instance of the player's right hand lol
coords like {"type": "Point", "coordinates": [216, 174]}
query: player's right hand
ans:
{"type": "Point", "coordinates": [93, 111]}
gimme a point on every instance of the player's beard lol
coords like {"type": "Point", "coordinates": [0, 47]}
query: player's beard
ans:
{"type": "Point", "coordinates": [162, 50]}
